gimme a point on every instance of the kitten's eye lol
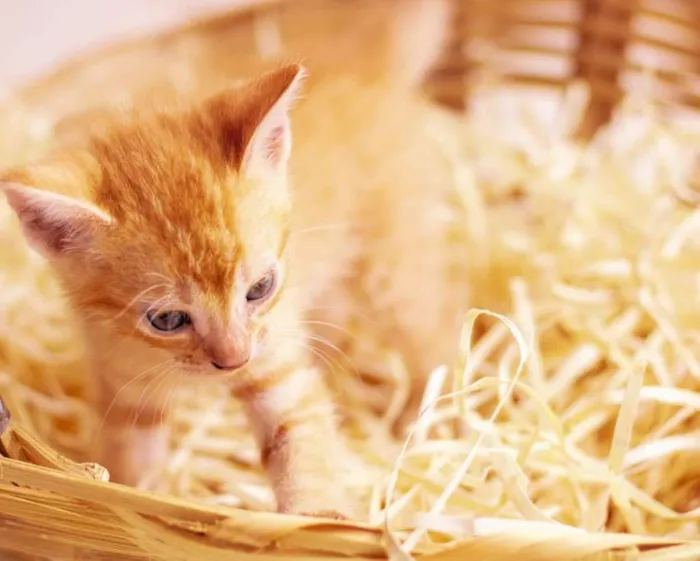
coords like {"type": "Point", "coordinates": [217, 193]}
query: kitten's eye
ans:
{"type": "Point", "coordinates": [262, 288]}
{"type": "Point", "coordinates": [168, 322]}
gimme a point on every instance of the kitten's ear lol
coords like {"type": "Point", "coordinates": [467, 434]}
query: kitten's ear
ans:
{"type": "Point", "coordinates": [255, 120]}
{"type": "Point", "coordinates": [269, 138]}
{"type": "Point", "coordinates": [53, 224]}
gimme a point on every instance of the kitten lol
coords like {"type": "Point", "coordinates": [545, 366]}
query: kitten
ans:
{"type": "Point", "coordinates": [169, 235]}
{"type": "Point", "coordinates": [181, 244]}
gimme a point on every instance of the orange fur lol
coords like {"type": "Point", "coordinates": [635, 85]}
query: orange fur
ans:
{"type": "Point", "coordinates": [184, 208]}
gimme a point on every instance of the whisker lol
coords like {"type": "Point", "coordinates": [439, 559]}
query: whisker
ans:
{"type": "Point", "coordinates": [157, 306]}
{"type": "Point", "coordinates": [140, 376]}
{"type": "Point", "coordinates": [163, 377]}
{"type": "Point", "coordinates": [342, 353]}
{"type": "Point", "coordinates": [143, 399]}
{"type": "Point", "coordinates": [168, 384]}
{"type": "Point", "coordinates": [322, 356]}
{"type": "Point", "coordinates": [136, 298]}
{"type": "Point", "coordinates": [332, 364]}
{"type": "Point", "coordinates": [363, 317]}
{"type": "Point", "coordinates": [322, 228]}
{"type": "Point", "coordinates": [166, 402]}
{"type": "Point", "coordinates": [328, 324]}
{"type": "Point", "coordinates": [306, 337]}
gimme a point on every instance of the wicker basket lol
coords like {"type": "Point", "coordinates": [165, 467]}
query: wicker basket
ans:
{"type": "Point", "coordinates": [542, 45]}
{"type": "Point", "coordinates": [545, 44]}
{"type": "Point", "coordinates": [53, 508]}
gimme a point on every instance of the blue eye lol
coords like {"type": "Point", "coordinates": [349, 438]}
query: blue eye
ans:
{"type": "Point", "coordinates": [167, 322]}
{"type": "Point", "coordinates": [262, 288]}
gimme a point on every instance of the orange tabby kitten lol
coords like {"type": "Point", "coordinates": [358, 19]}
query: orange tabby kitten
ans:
{"type": "Point", "coordinates": [186, 253]}
{"type": "Point", "coordinates": [184, 217]}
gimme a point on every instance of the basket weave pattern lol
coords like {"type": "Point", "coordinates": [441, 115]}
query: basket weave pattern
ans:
{"type": "Point", "coordinates": [549, 43]}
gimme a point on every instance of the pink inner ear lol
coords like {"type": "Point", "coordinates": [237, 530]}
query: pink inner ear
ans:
{"type": "Point", "coordinates": [56, 236]}
{"type": "Point", "coordinates": [54, 231]}
{"type": "Point", "coordinates": [51, 223]}
{"type": "Point", "coordinates": [270, 148]}
{"type": "Point", "coordinates": [274, 145]}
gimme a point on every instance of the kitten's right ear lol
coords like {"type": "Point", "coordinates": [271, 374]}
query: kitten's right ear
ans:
{"type": "Point", "coordinates": [53, 224]}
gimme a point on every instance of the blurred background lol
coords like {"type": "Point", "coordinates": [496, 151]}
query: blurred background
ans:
{"type": "Point", "coordinates": [35, 35]}
{"type": "Point", "coordinates": [610, 44]}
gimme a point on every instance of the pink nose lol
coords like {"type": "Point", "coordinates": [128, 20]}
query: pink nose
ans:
{"type": "Point", "coordinates": [230, 356]}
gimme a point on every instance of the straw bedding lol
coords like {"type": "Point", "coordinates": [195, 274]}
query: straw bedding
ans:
{"type": "Point", "coordinates": [572, 427]}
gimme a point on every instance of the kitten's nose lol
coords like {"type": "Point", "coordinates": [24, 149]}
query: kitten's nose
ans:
{"type": "Point", "coordinates": [230, 352]}
{"type": "Point", "coordinates": [230, 355]}
{"type": "Point", "coordinates": [230, 367]}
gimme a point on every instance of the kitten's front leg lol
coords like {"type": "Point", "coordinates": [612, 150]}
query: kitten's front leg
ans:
{"type": "Point", "coordinates": [132, 440]}
{"type": "Point", "coordinates": [292, 415]}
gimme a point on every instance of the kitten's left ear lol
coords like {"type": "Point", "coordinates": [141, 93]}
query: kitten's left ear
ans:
{"type": "Point", "coordinates": [254, 120]}
{"type": "Point", "coordinates": [270, 140]}
{"type": "Point", "coordinates": [53, 224]}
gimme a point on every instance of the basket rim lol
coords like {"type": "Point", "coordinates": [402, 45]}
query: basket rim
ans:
{"type": "Point", "coordinates": [172, 509]}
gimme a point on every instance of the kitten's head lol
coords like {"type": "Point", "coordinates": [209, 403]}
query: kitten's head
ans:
{"type": "Point", "coordinates": [170, 228]}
